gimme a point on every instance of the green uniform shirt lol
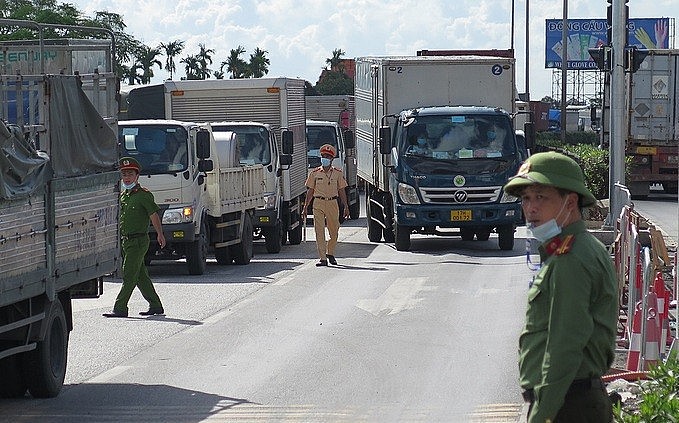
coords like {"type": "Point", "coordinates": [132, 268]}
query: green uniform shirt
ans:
{"type": "Point", "coordinates": [136, 205]}
{"type": "Point", "coordinates": [571, 320]}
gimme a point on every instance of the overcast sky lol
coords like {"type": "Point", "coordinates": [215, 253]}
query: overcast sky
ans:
{"type": "Point", "coordinates": [300, 34]}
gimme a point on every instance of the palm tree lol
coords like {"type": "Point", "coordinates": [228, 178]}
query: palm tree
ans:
{"type": "Point", "coordinates": [259, 63]}
{"type": "Point", "coordinates": [145, 59]}
{"type": "Point", "coordinates": [192, 67]}
{"type": "Point", "coordinates": [234, 64]}
{"type": "Point", "coordinates": [130, 73]}
{"type": "Point", "coordinates": [335, 62]}
{"type": "Point", "coordinates": [204, 57]}
{"type": "Point", "coordinates": [171, 50]}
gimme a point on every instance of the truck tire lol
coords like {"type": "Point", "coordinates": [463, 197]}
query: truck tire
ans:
{"type": "Point", "coordinates": [196, 253]}
{"type": "Point", "coordinates": [45, 366]}
{"type": "Point", "coordinates": [374, 229]}
{"type": "Point", "coordinates": [242, 252]}
{"type": "Point", "coordinates": [13, 383]}
{"type": "Point", "coordinates": [223, 257]}
{"type": "Point", "coordinates": [483, 235]}
{"type": "Point", "coordinates": [402, 237]}
{"type": "Point", "coordinates": [355, 210]}
{"type": "Point", "coordinates": [273, 238]}
{"type": "Point", "coordinates": [639, 190]}
{"type": "Point", "coordinates": [295, 235]}
{"type": "Point", "coordinates": [467, 234]}
{"type": "Point", "coordinates": [505, 238]}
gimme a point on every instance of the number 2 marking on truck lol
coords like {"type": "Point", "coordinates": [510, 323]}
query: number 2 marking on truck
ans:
{"type": "Point", "coordinates": [397, 69]}
{"type": "Point", "coordinates": [496, 69]}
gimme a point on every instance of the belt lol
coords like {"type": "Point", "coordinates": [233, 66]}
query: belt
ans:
{"type": "Point", "coordinates": [326, 198]}
{"type": "Point", "coordinates": [578, 385]}
{"type": "Point", "coordinates": [131, 236]}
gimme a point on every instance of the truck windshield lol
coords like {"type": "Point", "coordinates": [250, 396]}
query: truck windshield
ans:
{"type": "Point", "coordinates": [158, 148]}
{"type": "Point", "coordinates": [253, 141]}
{"type": "Point", "coordinates": [316, 136]}
{"type": "Point", "coordinates": [457, 137]}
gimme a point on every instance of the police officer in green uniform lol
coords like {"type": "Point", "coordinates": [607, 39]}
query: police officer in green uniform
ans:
{"type": "Point", "coordinates": [137, 207]}
{"type": "Point", "coordinates": [568, 340]}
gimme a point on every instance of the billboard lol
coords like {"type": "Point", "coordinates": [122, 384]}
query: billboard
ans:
{"type": "Point", "coordinates": [583, 34]}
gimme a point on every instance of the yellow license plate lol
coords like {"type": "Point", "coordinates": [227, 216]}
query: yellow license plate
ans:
{"type": "Point", "coordinates": [651, 151]}
{"type": "Point", "coordinates": [460, 215]}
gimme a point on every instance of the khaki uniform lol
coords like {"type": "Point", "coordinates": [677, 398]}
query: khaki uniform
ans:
{"type": "Point", "coordinates": [326, 186]}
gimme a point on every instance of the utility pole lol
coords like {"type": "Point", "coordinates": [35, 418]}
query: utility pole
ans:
{"type": "Point", "coordinates": [564, 69]}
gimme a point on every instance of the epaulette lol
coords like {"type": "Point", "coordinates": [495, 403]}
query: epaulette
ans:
{"type": "Point", "coordinates": [559, 246]}
{"type": "Point", "coordinates": [318, 169]}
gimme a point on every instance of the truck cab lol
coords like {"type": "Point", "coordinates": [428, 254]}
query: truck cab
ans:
{"type": "Point", "coordinates": [448, 166]}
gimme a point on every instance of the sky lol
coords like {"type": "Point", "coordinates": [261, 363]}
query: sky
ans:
{"type": "Point", "coordinates": [299, 35]}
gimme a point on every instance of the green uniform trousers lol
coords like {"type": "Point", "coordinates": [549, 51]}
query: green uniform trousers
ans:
{"type": "Point", "coordinates": [135, 274]}
{"type": "Point", "coordinates": [588, 405]}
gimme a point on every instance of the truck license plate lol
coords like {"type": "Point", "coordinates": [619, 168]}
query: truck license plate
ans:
{"type": "Point", "coordinates": [460, 215]}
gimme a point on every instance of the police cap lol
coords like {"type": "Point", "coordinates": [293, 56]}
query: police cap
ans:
{"type": "Point", "coordinates": [327, 149]}
{"type": "Point", "coordinates": [129, 163]}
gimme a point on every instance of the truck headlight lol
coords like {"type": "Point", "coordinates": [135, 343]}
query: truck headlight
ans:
{"type": "Point", "coordinates": [182, 215]}
{"type": "Point", "coordinates": [270, 199]}
{"type": "Point", "coordinates": [507, 198]}
{"type": "Point", "coordinates": [408, 194]}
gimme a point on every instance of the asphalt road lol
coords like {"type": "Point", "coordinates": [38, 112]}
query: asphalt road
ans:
{"type": "Point", "coordinates": [661, 210]}
{"type": "Point", "coordinates": [428, 335]}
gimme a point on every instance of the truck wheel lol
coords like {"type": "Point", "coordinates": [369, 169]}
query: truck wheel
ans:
{"type": "Point", "coordinates": [467, 234]}
{"type": "Point", "coordinates": [483, 235]}
{"type": "Point", "coordinates": [196, 253]}
{"type": "Point", "coordinates": [374, 229]}
{"type": "Point", "coordinates": [402, 238]}
{"type": "Point", "coordinates": [670, 187]}
{"type": "Point", "coordinates": [273, 238]}
{"type": "Point", "coordinates": [506, 237]}
{"type": "Point", "coordinates": [45, 366]}
{"type": "Point", "coordinates": [639, 190]}
{"type": "Point", "coordinates": [355, 210]}
{"type": "Point", "coordinates": [295, 235]}
{"type": "Point", "coordinates": [222, 255]}
{"type": "Point", "coordinates": [242, 252]}
{"type": "Point", "coordinates": [13, 383]}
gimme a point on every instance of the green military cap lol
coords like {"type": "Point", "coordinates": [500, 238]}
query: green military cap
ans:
{"type": "Point", "coordinates": [129, 163]}
{"type": "Point", "coordinates": [552, 169]}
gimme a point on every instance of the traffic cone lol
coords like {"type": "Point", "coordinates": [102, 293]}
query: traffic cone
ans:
{"type": "Point", "coordinates": [635, 340]}
{"type": "Point", "coordinates": [652, 352]}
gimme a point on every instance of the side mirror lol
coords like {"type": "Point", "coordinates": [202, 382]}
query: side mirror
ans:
{"type": "Point", "coordinates": [287, 141]}
{"type": "Point", "coordinates": [385, 140]}
{"type": "Point", "coordinates": [286, 159]}
{"type": "Point", "coordinates": [203, 144]}
{"type": "Point", "coordinates": [205, 165]}
{"type": "Point", "coordinates": [349, 141]}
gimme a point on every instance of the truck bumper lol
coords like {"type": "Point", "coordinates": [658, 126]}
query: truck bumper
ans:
{"type": "Point", "coordinates": [179, 233]}
{"type": "Point", "coordinates": [265, 218]}
{"type": "Point", "coordinates": [482, 215]}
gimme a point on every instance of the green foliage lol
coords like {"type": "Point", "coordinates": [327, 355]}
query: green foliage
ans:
{"type": "Point", "coordinates": [335, 83]}
{"type": "Point", "coordinates": [659, 397]}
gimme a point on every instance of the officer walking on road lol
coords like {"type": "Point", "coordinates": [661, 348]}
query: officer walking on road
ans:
{"type": "Point", "coordinates": [325, 185]}
{"type": "Point", "coordinates": [568, 341]}
{"type": "Point", "coordinates": [137, 207]}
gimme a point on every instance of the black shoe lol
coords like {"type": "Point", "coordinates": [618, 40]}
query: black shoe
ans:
{"type": "Point", "coordinates": [331, 259]}
{"type": "Point", "coordinates": [151, 311]}
{"type": "Point", "coordinates": [322, 263]}
{"type": "Point", "coordinates": [115, 314]}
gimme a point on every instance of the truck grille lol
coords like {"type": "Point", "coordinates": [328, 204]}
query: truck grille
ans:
{"type": "Point", "coordinates": [454, 195]}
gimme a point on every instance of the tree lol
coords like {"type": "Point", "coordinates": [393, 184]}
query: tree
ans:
{"type": "Point", "coordinates": [171, 50]}
{"type": "Point", "coordinates": [192, 67]}
{"type": "Point", "coordinates": [204, 57]}
{"type": "Point", "coordinates": [259, 63]}
{"type": "Point", "coordinates": [335, 83]}
{"type": "Point", "coordinates": [145, 59]}
{"type": "Point", "coordinates": [335, 62]}
{"type": "Point", "coordinates": [130, 74]}
{"type": "Point", "coordinates": [234, 64]}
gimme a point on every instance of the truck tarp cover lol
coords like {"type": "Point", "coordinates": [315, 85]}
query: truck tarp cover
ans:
{"type": "Point", "coordinates": [23, 169]}
{"type": "Point", "coordinates": [81, 141]}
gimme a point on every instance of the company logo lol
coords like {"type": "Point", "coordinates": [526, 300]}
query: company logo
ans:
{"type": "Point", "coordinates": [459, 181]}
{"type": "Point", "coordinates": [460, 196]}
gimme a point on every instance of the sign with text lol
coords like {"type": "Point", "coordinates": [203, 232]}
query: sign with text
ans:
{"type": "Point", "coordinates": [583, 34]}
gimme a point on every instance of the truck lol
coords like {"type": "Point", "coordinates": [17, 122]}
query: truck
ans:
{"type": "Point", "coordinates": [59, 236]}
{"type": "Point", "coordinates": [421, 125]}
{"type": "Point", "coordinates": [334, 108]}
{"type": "Point", "coordinates": [652, 135]}
{"type": "Point", "coordinates": [202, 211]}
{"type": "Point", "coordinates": [320, 132]}
{"type": "Point", "coordinates": [276, 102]}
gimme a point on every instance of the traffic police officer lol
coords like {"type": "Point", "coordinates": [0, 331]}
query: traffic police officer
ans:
{"type": "Point", "coordinates": [325, 185]}
{"type": "Point", "coordinates": [568, 341]}
{"type": "Point", "coordinates": [137, 207]}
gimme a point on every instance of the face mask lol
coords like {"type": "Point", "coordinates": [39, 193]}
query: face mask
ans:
{"type": "Point", "coordinates": [422, 142]}
{"type": "Point", "coordinates": [123, 185]}
{"type": "Point", "coordinates": [549, 229]}
{"type": "Point", "coordinates": [490, 135]}
{"type": "Point", "coordinates": [325, 162]}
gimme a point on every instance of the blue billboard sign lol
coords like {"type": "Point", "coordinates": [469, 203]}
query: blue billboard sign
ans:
{"type": "Point", "coordinates": [583, 34]}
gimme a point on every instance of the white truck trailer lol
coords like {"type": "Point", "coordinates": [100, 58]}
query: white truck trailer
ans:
{"type": "Point", "coordinates": [277, 102]}
{"type": "Point", "coordinates": [59, 188]}
{"type": "Point", "coordinates": [195, 203]}
{"type": "Point", "coordinates": [435, 144]}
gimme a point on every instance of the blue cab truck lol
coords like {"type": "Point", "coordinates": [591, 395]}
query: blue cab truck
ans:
{"type": "Point", "coordinates": [435, 144]}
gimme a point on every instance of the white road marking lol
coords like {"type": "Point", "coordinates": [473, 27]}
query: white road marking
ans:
{"type": "Point", "coordinates": [400, 296]}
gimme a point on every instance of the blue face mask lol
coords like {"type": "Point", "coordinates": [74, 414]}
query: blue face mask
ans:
{"type": "Point", "coordinates": [547, 230]}
{"type": "Point", "coordinates": [422, 142]}
{"type": "Point", "coordinates": [490, 135]}
{"type": "Point", "coordinates": [325, 162]}
{"type": "Point", "coordinates": [123, 185]}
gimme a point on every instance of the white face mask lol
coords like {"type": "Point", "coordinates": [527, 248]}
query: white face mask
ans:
{"type": "Point", "coordinates": [123, 185]}
{"type": "Point", "coordinates": [549, 229]}
{"type": "Point", "coordinates": [325, 162]}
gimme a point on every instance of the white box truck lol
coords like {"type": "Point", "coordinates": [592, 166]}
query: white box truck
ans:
{"type": "Point", "coordinates": [277, 102]}
{"type": "Point", "coordinates": [435, 144]}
